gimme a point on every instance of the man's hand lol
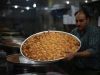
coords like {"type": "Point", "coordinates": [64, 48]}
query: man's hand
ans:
{"type": "Point", "coordinates": [70, 56]}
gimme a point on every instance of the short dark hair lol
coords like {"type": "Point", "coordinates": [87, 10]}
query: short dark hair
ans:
{"type": "Point", "coordinates": [84, 11]}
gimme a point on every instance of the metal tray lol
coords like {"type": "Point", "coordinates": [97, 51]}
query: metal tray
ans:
{"type": "Point", "coordinates": [49, 61]}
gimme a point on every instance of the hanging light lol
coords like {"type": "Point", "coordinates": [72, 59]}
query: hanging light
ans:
{"type": "Point", "coordinates": [27, 8]}
{"type": "Point", "coordinates": [67, 2]}
{"type": "Point", "coordinates": [22, 11]}
{"type": "Point", "coordinates": [86, 1]}
{"type": "Point", "coordinates": [16, 6]}
{"type": "Point", "coordinates": [34, 5]}
{"type": "Point", "coordinates": [46, 8]}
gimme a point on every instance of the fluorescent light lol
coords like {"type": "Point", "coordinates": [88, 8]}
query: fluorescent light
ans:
{"type": "Point", "coordinates": [34, 5]}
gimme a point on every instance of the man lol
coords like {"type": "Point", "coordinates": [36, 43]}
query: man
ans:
{"type": "Point", "coordinates": [88, 57]}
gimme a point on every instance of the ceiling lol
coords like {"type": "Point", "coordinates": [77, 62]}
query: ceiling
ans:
{"type": "Point", "coordinates": [9, 4]}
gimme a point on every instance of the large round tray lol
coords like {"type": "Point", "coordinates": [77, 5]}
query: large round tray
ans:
{"type": "Point", "coordinates": [49, 61]}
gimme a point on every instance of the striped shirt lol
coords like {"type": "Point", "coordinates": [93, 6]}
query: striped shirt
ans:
{"type": "Point", "coordinates": [90, 40]}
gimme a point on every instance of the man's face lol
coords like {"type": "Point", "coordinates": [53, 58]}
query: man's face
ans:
{"type": "Point", "coordinates": [81, 21]}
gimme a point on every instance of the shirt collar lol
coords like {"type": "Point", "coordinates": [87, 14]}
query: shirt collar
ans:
{"type": "Point", "coordinates": [81, 33]}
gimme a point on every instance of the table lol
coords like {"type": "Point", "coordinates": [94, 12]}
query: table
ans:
{"type": "Point", "coordinates": [11, 44]}
{"type": "Point", "coordinates": [27, 68]}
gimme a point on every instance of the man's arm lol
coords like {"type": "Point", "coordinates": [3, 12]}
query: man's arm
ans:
{"type": "Point", "coordinates": [93, 47]}
{"type": "Point", "coordinates": [85, 53]}
{"type": "Point", "coordinates": [94, 43]}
